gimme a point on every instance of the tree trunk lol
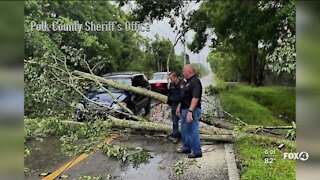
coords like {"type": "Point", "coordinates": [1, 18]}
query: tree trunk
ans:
{"type": "Point", "coordinates": [145, 92]}
{"type": "Point", "coordinates": [252, 67]}
{"type": "Point", "coordinates": [157, 127]}
{"type": "Point", "coordinates": [255, 65]}
{"type": "Point", "coordinates": [217, 122]}
{"type": "Point", "coordinates": [160, 127]}
{"type": "Point", "coordinates": [206, 134]}
{"type": "Point", "coordinates": [168, 63]}
{"type": "Point", "coordinates": [178, 36]}
{"type": "Point", "coordinates": [158, 63]}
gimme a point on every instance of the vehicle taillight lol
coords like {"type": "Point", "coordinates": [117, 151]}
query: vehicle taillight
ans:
{"type": "Point", "coordinates": [159, 85]}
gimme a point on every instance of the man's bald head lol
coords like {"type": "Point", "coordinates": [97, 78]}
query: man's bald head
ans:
{"type": "Point", "coordinates": [188, 71]}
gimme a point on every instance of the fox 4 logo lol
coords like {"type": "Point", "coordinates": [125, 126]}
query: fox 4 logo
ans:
{"type": "Point", "coordinates": [303, 156]}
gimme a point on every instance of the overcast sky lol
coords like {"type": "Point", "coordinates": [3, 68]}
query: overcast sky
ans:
{"type": "Point", "coordinates": [163, 29]}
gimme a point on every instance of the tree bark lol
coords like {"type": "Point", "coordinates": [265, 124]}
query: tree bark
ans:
{"type": "Point", "coordinates": [177, 38]}
{"type": "Point", "coordinates": [168, 62]}
{"type": "Point", "coordinates": [217, 122]}
{"type": "Point", "coordinates": [253, 67]}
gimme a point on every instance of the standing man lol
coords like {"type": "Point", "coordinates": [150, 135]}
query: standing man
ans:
{"type": "Point", "coordinates": [190, 111]}
{"type": "Point", "coordinates": [173, 101]}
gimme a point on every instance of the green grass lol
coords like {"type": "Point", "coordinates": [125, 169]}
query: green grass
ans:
{"type": "Point", "coordinates": [248, 110]}
{"type": "Point", "coordinates": [252, 155]}
{"type": "Point", "coordinates": [260, 106]}
{"type": "Point", "coordinates": [279, 100]}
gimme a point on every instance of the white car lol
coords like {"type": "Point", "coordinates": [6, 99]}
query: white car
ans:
{"type": "Point", "coordinates": [160, 82]}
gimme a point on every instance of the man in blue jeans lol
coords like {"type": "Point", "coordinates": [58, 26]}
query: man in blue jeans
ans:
{"type": "Point", "coordinates": [173, 101]}
{"type": "Point", "coordinates": [189, 109]}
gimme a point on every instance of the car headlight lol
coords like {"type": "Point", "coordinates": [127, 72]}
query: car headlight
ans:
{"type": "Point", "coordinates": [116, 107]}
{"type": "Point", "coordinates": [124, 104]}
{"type": "Point", "coordinates": [80, 106]}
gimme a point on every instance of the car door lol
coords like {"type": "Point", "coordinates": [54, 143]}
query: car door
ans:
{"type": "Point", "coordinates": [139, 100]}
{"type": "Point", "coordinates": [146, 83]}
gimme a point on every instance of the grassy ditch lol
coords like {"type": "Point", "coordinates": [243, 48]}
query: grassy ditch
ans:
{"type": "Point", "coordinates": [280, 101]}
{"type": "Point", "coordinates": [258, 105]}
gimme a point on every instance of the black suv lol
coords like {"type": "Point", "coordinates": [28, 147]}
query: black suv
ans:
{"type": "Point", "coordinates": [135, 102]}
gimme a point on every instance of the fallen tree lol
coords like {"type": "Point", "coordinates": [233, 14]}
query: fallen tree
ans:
{"type": "Point", "coordinates": [157, 127]}
{"type": "Point", "coordinates": [161, 127]}
{"type": "Point", "coordinates": [206, 134]}
{"type": "Point", "coordinates": [217, 122]}
{"type": "Point", "coordinates": [163, 99]}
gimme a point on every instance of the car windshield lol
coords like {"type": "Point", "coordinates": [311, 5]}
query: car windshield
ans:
{"type": "Point", "coordinates": [97, 88]}
{"type": "Point", "coordinates": [158, 76]}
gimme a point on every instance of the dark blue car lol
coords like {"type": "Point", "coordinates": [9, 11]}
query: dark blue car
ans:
{"type": "Point", "coordinates": [135, 102]}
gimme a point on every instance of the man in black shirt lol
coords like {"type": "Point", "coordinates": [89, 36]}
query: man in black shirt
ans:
{"type": "Point", "coordinates": [173, 101]}
{"type": "Point", "coordinates": [190, 111]}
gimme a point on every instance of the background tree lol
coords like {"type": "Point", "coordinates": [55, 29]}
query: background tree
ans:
{"type": "Point", "coordinates": [106, 52]}
{"type": "Point", "coordinates": [283, 58]}
{"type": "Point", "coordinates": [249, 29]}
{"type": "Point", "coordinates": [177, 11]}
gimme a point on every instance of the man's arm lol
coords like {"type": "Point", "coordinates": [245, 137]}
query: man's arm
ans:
{"type": "Point", "coordinates": [194, 103]}
{"type": "Point", "coordinates": [169, 94]}
{"type": "Point", "coordinates": [178, 109]}
{"type": "Point", "coordinates": [196, 95]}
